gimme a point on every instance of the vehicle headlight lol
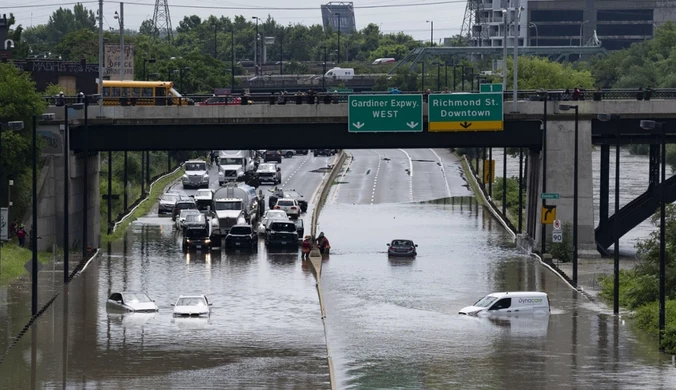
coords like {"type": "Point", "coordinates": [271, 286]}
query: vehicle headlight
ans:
{"type": "Point", "coordinates": [207, 241]}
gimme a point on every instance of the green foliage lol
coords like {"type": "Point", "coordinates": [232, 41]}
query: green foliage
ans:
{"type": "Point", "coordinates": [403, 79]}
{"type": "Point", "coordinates": [648, 63]}
{"type": "Point", "coordinates": [541, 73]}
{"type": "Point", "coordinates": [563, 251]}
{"type": "Point", "coordinates": [78, 45]}
{"type": "Point", "coordinates": [647, 318]}
{"type": "Point", "coordinates": [639, 149]}
{"type": "Point", "coordinates": [639, 287]}
{"type": "Point", "coordinates": [512, 203]}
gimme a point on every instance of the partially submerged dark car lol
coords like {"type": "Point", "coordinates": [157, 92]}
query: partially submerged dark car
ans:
{"type": "Point", "coordinates": [282, 234]}
{"type": "Point", "coordinates": [241, 236]}
{"type": "Point", "coordinates": [196, 238]}
{"type": "Point", "coordinates": [402, 248]}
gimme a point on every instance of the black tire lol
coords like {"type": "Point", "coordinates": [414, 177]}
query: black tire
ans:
{"type": "Point", "coordinates": [289, 154]}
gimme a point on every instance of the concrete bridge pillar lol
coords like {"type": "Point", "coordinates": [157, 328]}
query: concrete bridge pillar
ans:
{"type": "Point", "coordinates": [560, 168]}
{"type": "Point", "coordinates": [51, 193]}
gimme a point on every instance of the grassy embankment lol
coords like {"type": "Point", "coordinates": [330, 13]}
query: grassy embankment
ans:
{"type": "Point", "coordinates": [13, 260]}
{"type": "Point", "coordinates": [158, 166]}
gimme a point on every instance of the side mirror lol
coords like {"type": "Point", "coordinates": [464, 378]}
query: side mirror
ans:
{"type": "Point", "coordinates": [279, 169]}
{"type": "Point", "coordinates": [173, 304]}
{"type": "Point", "coordinates": [388, 244]}
{"type": "Point", "coordinates": [159, 198]}
{"type": "Point", "coordinates": [211, 304]}
{"type": "Point", "coordinates": [416, 245]}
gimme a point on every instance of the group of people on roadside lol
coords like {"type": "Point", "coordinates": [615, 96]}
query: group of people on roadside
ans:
{"type": "Point", "coordinates": [322, 244]}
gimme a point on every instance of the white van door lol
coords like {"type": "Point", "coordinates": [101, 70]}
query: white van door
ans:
{"type": "Point", "coordinates": [503, 305]}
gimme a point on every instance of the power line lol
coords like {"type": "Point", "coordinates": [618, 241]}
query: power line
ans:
{"type": "Point", "coordinates": [236, 8]}
{"type": "Point", "coordinates": [51, 5]}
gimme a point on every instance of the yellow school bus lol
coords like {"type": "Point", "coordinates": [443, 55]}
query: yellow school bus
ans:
{"type": "Point", "coordinates": [141, 93]}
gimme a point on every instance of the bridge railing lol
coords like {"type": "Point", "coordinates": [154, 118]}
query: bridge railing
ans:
{"type": "Point", "coordinates": [342, 97]}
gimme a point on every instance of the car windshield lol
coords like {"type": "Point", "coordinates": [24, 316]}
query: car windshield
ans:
{"type": "Point", "coordinates": [402, 243]}
{"type": "Point", "coordinates": [272, 152]}
{"type": "Point", "coordinates": [240, 230]}
{"type": "Point", "coordinates": [285, 203]}
{"type": "Point", "coordinates": [191, 301]}
{"type": "Point", "coordinates": [196, 233]}
{"type": "Point", "coordinates": [486, 301]}
{"type": "Point", "coordinates": [196, 166]}
{"type": "Point", "coordinates": [194, 218]}
{"type": "Point", "coordinates": [204, 193]}
{"type": "Point", "coordinates": [135, 298]}
{"type": "Point", "coordinates": [230, 161]}
{"type": "Point", "coordinates": [169, 198]}
{"type": "Point", "coordinates": [283, 227]}
{"type": "Point", "coordinates": [275, 214]}
{"type": "Point", "coordinates": [185, 213]}
{"type": "Point", "coordinates": [228, 206]}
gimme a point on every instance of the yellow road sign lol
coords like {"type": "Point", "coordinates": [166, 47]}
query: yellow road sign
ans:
{"type": "Point", "coordinates": [489, 171]}
{"type": "Point", "coordinates": [548, 215]}
{"type": "Point", "coordinates": [466, 126]}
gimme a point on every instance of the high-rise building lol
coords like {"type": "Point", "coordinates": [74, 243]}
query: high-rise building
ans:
{"type": "Point", "coordinates": [338, 16]}
{"type": "Point", "coordinates": [615, 23]}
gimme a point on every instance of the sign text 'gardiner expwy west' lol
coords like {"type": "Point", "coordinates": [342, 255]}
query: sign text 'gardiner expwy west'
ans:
{"type": "Point", "coordinates": [465, 112]}
{"type": "Point", "coordinates": [385, 113]}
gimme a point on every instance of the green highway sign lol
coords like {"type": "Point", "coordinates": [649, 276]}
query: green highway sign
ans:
{"type": "Point", "coordinates": [385, 113]}
{"type": "Point", "coordinates": [549, 195]}
{"type": "Point", "coordinates": [483, 88]}
{"type": "Point", "coordinates": [465, 112]}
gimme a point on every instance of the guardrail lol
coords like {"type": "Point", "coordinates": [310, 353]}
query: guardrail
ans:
{"type": "Point", "coordinates": [342, 97]}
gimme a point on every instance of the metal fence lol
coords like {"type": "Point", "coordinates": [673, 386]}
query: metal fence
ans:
{"type": "Point", "coordinates": [340, 97]}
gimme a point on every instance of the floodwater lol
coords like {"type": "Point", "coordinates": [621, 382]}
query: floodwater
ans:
{"type": "Point", "coordinates": [265, 329]}
{"type": "Point", "coordinates": [391, 323]}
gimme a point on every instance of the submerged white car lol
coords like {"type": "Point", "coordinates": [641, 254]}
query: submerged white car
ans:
{"type": "Point", "coordinates": [131, 301]}
{"type": "Point", "coordinates": [510, 303]}
{"type": "Point", "coordinates": [192, 305]}
{"type": "Point", "coordinates": [269, 217]}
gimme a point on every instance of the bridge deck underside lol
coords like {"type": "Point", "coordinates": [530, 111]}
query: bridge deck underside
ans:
{"type": "Point", "coordinates": [120, 137]}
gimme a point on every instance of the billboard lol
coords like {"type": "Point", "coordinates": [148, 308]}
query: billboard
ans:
{"type": "Point", "coordinates": [338, 15]}
{"type": "Point", "coordinates": [112, 62]}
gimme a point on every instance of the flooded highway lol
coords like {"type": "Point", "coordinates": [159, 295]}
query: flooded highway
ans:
{"type": "Point", "coordinates": [265, 330]}
{"type": "Point", "coordinates": [391, 323]}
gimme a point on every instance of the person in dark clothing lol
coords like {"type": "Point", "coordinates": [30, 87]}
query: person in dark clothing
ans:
{"type": "Point", "coordinates": [21, 235]}
{"type": "Point", "coordinates": [60, 100]}
{"type": "Point", "coordinates": [323, 244]}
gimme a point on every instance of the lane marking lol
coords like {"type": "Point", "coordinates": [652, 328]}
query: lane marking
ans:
{"type": "Point", "coordinates": [375, 179]}
{"type": "Point", "coordinates": [294, 172]}
{"type": "Point", "coordinates": [443, 172]}
{"type": "Point", "coordinates": [342, 178]}
{"type": "Point", "coordinates": [410, 174]}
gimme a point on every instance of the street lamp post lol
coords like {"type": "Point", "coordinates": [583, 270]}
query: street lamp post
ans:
{"type": "Point", "coordinates": [581, 25]}
{"type": "Point", "coordinates": [146, 60]}
{"type": "Point", "coordinates": [515, 72]}
{"type": "Point", "coordinates": [537, 33]}
{"type": "Point", "coordinates": [438, 76]}
{"type": "Point", "coordinates": [215, 41]}
{"type": "Point", "coordinates": [431, 22]}
{"type": "Point", "coordinates": [651, 125]}
{"type": "Point", "coordinates": [232, 60]}
{"type": "Point", "coordinates": [120, 19]}
{"type": "Point", "coordinates": [565, 107]}
{"type": "Point", "coordinates": [338, 59]}
{"type": "Point", "coordinates": [504, 50]}
{"type": "Point", "coordinates": [256, 47]}
{"type": "Point", "coordinates": [324, 71]}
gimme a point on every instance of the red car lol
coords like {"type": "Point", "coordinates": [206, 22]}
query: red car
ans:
{"type": "Point", "coordinates": [221, 101]}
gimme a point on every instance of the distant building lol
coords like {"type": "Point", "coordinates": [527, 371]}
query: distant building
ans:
{"type": "Point", "coordinates": [615, 23]}
{"type": "Point", "coordinates": [70, 76]}
{"type": "Point", "coordinates": [339, 16]}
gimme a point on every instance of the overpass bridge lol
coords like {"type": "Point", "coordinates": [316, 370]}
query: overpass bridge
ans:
{"type": "Point", "coordinates": [326, 125]}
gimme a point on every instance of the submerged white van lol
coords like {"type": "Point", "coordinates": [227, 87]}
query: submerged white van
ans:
{"type": "Point", "coordinates": [502, 303]}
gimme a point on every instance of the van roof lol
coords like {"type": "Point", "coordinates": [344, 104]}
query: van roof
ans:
{"type": "Point", "coordinates": [518, 294]}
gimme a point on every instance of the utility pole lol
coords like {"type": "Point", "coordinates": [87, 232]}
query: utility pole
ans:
{"type": "Point", "coordinates": [101, 60]}
{"type": "Point", "coordinates": [121, 41]}
{"type": "Point", "coordinates": [505, 15]}
{"type": "Point", "coordinates": [338, 59]}
{"type": "Point", "coordinates": [256, 47]}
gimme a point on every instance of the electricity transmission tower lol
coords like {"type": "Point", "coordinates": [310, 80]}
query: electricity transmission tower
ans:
{"type": "Point", "coordinates": [162, 20]}
{"type": "Point", "coordinates": [473, 23]}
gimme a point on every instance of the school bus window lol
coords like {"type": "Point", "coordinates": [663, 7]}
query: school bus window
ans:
{"type": "Point", "coordinates": [160, 91]}
{"type": "Point", "coordinates": [116, 91]}
{"type": "Point", "coordinates": [147, 92]}
{"type": "Point", "coordinates": [137, 92]}
{"type": "Point", "coordinates": [106, 91]}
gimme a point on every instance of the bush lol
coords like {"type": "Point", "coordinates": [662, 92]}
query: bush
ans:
{"type": "Point", "coordinates": [563, 251]}
{"type": "Point", "coordinates": [647, 318]}
{"type": "Point", "coordinates": [512, 204]}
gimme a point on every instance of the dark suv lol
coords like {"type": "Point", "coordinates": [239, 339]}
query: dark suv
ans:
{"type": "Point", "coordinates": [292, 194]}
{"type": "Point", "coordinates": [241, 236]}
{"type": "Point", "coordinates": [272, 155]}
{"type": "Point", "coordinates": [324, 152]}
{"type": "Point", "coordinates": [282, 234]}
{"type": "Point", "coordinates": [182, 204]}
{"type": "Point", "coordinates": [196, 237]}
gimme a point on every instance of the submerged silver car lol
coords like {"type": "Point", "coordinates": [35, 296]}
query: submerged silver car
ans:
{"type": "Point", "coordinates": [131, 301]}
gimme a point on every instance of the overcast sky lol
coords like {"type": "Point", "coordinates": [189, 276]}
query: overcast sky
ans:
{"type": "Point", "coordinates": [409, 16]}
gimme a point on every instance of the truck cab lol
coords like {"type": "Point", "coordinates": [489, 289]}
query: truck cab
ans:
{"type": "Point", "coordinates": [196, 174]}
{"type": "Point", "coordinates": [228, 211]}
